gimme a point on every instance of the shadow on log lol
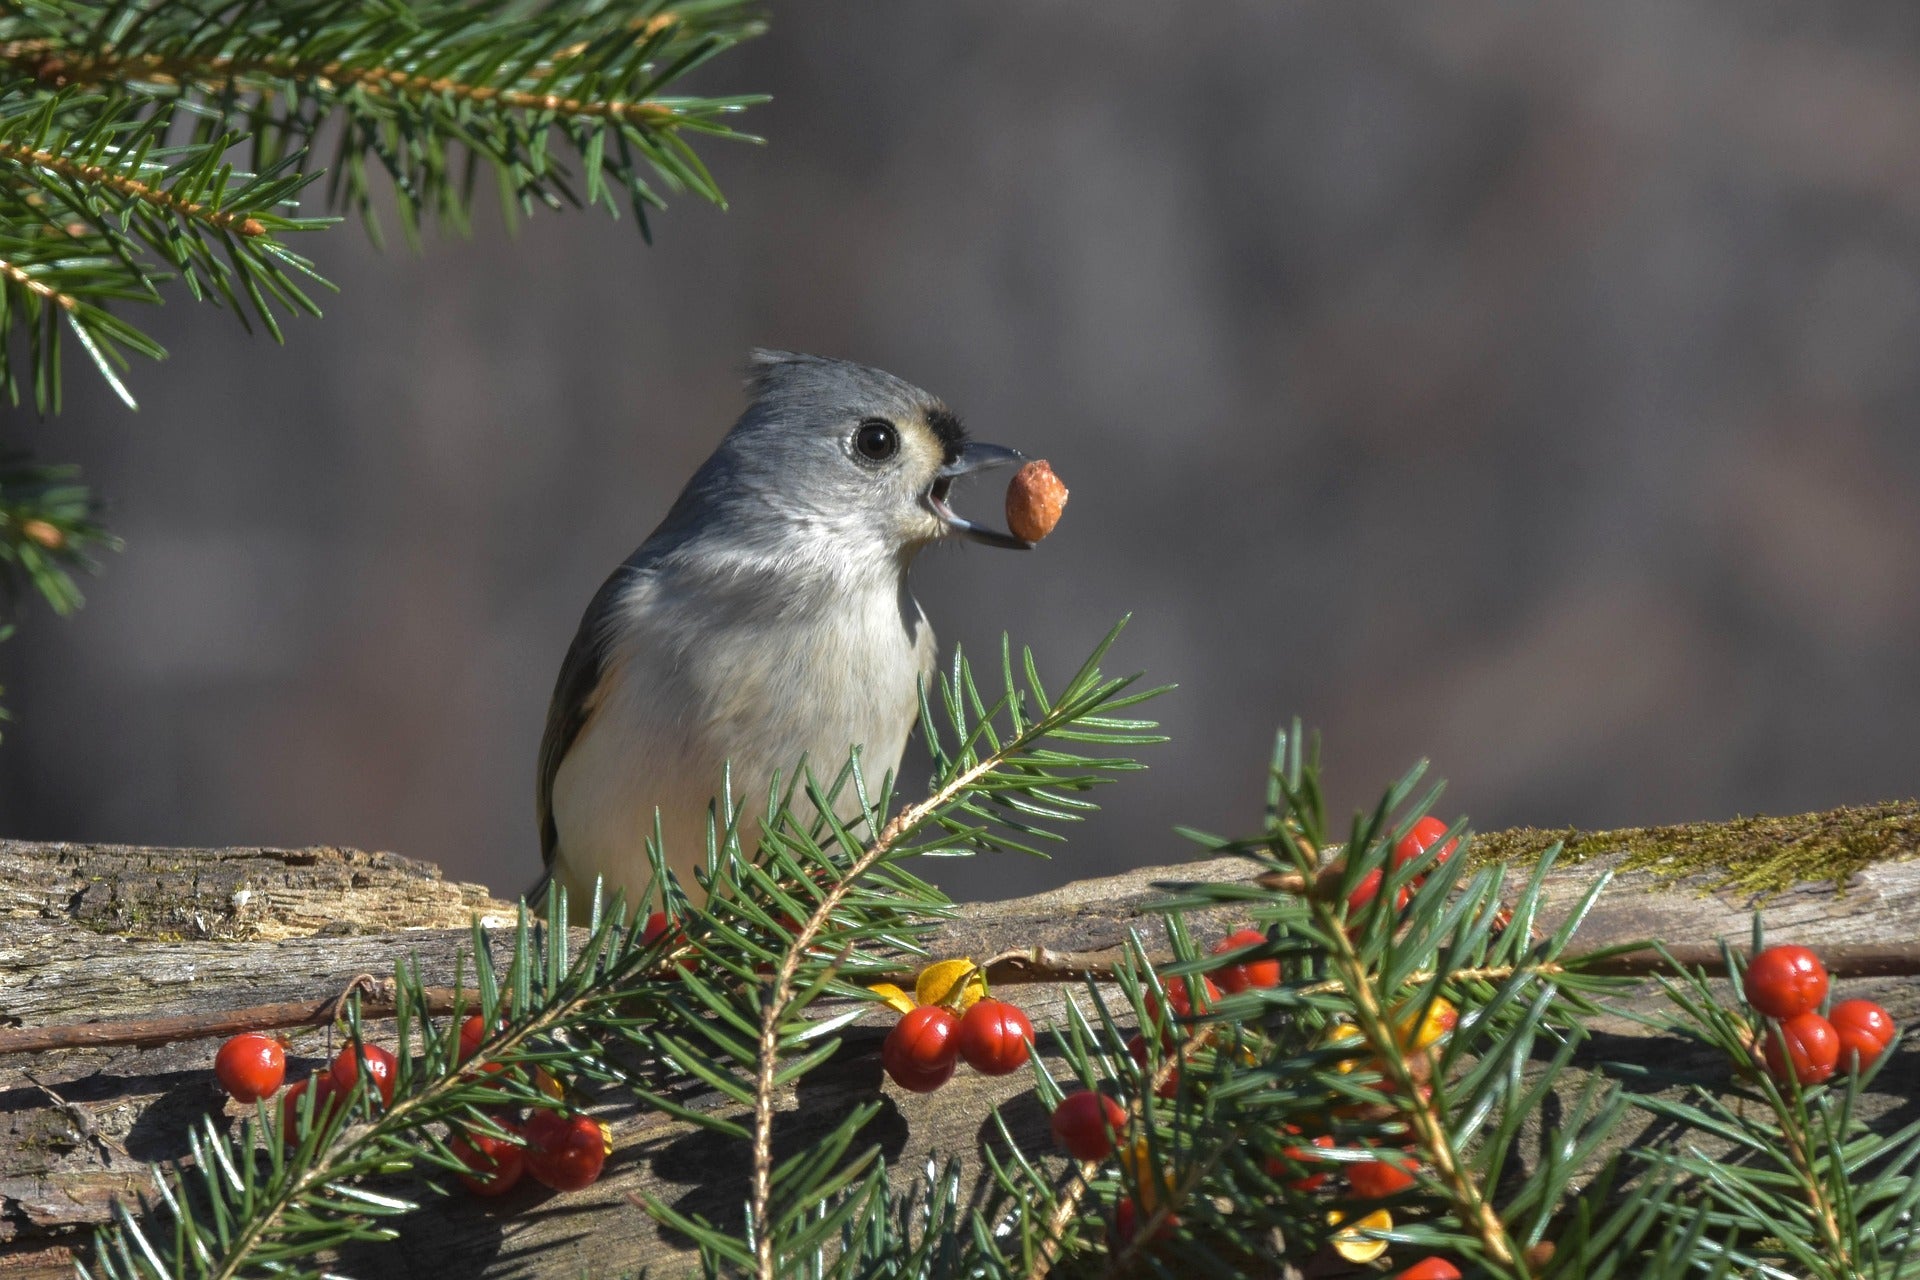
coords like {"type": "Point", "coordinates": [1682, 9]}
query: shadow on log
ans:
{"type": "Point", "coordinates": [91, 932]}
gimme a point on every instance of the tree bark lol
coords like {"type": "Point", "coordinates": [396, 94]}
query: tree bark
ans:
{"type": "Point", "coordinates": [105, 932]}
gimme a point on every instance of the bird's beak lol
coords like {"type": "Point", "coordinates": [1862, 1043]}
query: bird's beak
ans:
{"type": "Point", "coordinates": [973, 457]}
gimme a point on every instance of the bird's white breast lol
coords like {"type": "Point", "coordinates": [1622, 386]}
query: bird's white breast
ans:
{"type": "Point", "coordinates": [699, 674]}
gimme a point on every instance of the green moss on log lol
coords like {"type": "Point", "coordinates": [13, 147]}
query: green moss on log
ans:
{"type": "Point", "coordinates": [1760, 856]}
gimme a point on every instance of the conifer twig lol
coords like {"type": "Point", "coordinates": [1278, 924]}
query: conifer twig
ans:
{"type": "Point", "coordinates": [902, 824]}
{"type": "Point", "coordinates": [239, 224]}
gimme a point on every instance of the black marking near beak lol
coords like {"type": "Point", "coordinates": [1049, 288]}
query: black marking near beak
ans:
{"type": "Point", "coordinates": [973, 457]}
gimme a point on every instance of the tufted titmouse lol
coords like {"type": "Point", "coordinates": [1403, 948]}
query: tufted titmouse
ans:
{"type": "Point", "coordinates": [767, 618]}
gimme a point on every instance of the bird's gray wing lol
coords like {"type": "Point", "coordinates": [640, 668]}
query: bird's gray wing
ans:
{"type": "Point", "coordinates": [574, 695]}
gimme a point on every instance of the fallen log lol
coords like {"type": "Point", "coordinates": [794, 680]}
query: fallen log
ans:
{"type": "Point", "coordinates": [98, 934]}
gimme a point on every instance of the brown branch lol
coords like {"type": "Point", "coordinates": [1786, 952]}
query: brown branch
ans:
{"type": "Point", "coordinates": [26, 280]}
{"type": "Point", "coordinates": [1843, 960]}
{"type": "Point", "coordinates": [43, 60]}
{"type": "Point", "coordinates": [238, 224]}
{"type": "Point", "coordinates": [145, 1033]}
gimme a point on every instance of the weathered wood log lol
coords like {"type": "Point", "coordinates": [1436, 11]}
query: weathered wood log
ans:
{"type": "Point", "coordinates": [97, 932]}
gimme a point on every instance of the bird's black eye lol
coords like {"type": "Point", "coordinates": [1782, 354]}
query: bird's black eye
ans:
{"type": "Point", "coordinates": [876, 441]}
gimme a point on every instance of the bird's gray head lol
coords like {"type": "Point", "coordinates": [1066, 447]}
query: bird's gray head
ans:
{"type": "Point", "coordinates": [835, 462]}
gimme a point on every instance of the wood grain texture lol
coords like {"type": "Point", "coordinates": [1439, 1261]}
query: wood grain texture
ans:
{"type": "Point", "coordinates": [91, 932]}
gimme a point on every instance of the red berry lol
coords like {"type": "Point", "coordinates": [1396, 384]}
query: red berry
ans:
{"type": "Point", "coordinates": [381, 1065]}
{"type": "Point", "coordinates": [1180, 998]}
{"type": "Point", "coordinates": [1812, 1049]}
{"type": "Point", "coordinates": [1167, 1088]}
{"type": "Point", "coordinates": [324, 1102]}
{"type": "Point", "coordinates": [1293, 1157]}
{"type": "Point", "coordinates": [659, 925]}
{"type": "Point", "coordinates": [921, 1050]}
{"type": "Point", "coordinates": [1376, 1179]}
{"type": "Point", "coordinates": [1247, 973]}
{"type": "Point", "coordinates": [496, 1162]}
{"type": "Point", "coordinates": [251, 1066]}
{"type": "Point", "coordinates": [1865, 1030]}
{"type": "Point", "coordinates": [995, 1037]}
{"type": "Point", "coordinates": [1785, 981]}
{"type": "Point", "coordinates": [1369, 888]}
{"type": "Point", "coordinates": [473, 1031]}
{"type": "Point", "coordinates": [1085, 1124]}
{"type": "Point", "coordinates": [1429, 1269]}
{"type": "Point", "coordinates": [565, 1150]}
{"type": "Point", "coordinates": [1420, 839]}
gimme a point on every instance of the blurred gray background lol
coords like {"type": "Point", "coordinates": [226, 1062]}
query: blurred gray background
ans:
{"type": "Point", "coordinates": [1527, 387]}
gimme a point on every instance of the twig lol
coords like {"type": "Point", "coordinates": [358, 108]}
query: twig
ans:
{"type": "Point", "coordinates": [216, 72]}
{"type": "Point", "coordinates": [146, 1033]}
{"type": "Point", "coordinates": [902, 823]}
{"type": "Point", "coordinates": [1799, 1145]}
{"type": "Point", "coordinates": [80, 1119]}
{"type": "Point", "coordinates": [1843, 960]}
{"type": "Point", "coordinates": [39, 288]}
{"type": "Point", "coordinates": [238, 223]}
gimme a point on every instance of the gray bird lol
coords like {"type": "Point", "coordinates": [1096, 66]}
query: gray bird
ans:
{"type": "Point", "coordinates": [767, 618]}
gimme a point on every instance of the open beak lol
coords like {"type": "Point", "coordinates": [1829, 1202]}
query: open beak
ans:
{"type": "Point", "coordinates": [973, 457]}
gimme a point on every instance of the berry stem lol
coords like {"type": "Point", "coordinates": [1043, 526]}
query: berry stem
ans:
{"type": "Point", "coordinates": [1799, 1144]}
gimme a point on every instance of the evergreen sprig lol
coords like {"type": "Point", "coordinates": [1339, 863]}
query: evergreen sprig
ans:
{"type": "Point", "coordinates": [96, 210]}
{"type": "Point", "coordinates": [1214, 1172]}
{"type": "Point", "coordinates": [118, 120]}
{"type": "Point", "coordinates": [1807, 1189]}
{"type": "Point", "coordinates": [283, 1188]}
{"type": "Point", "coordinates": [148, 144]}
{"type": "Point", "coordinates": [1002, 769]}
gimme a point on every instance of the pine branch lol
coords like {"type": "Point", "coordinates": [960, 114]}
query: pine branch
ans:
{"type": "Point", "coordinates": [282, 1189]}
{"type": "Point", "coordinates": [778, 1005]}
{"type": "Point", "coordinates": [1002, 769]}
{"type": "Point", "coordinates": [117, 118]}
{"type": "Point", "coordinates": [1808, 1185]}
{"type": "Point", "coordinates": [415, 86]}
{"type": "Point", "coordinates": [1207, 1165]}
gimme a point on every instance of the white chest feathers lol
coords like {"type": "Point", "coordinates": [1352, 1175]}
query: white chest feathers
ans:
{"type": "Point", "coordinates": [695, 678]}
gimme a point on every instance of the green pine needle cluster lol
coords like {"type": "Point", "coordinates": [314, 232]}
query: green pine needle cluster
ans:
{"type": "Point", "coordinates": [180, 148]}
{"type": "Point", "coordinates": [1241, 1115]}
{"type": "Point", "coordinates": [153, 142]}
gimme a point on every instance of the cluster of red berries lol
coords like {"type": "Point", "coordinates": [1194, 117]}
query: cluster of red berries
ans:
{"type": "Point", "coordinates": [252, 1066]}
{"type": "Point", "coordinates": [994, 1037]}
{"type": "Point", "coordinates": [1089, 1125]}
{"type": "Point", "coordinates": [1787, 986]}
{"type": "Point", "coordinates": [557, 1148]}
{"type": "Point", "coordinates": [1420, 837]}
